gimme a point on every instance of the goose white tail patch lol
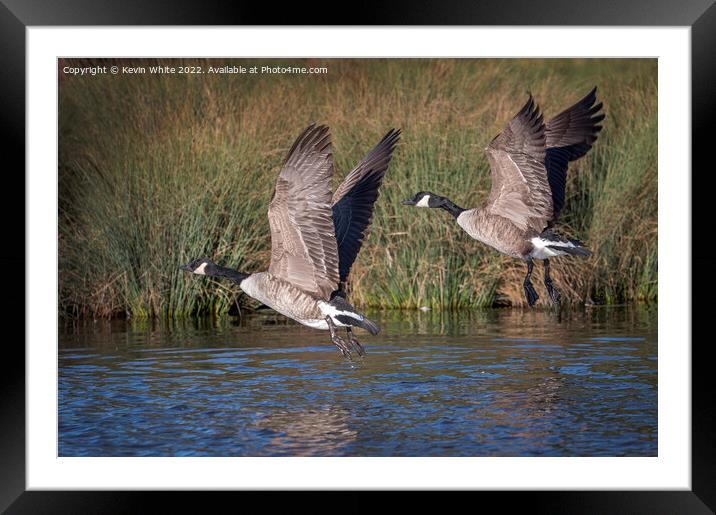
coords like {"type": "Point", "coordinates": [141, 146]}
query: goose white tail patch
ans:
{"type": "Point", "coordinates": [315, 324]}
{"type": "Point", "coordinates": [333, 312]}
{"type": "Point", "coordinates": [541, 251]}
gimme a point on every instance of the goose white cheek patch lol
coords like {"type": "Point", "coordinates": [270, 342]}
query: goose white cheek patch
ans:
{"type": "Point", "coordinates": [423, 202]}
{"type": "Point", "coordinates": [200, 269]}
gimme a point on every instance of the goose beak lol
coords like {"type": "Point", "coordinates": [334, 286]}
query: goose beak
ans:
{"type": "Point", "coordinates": [185, 268]}
{"type": "Point", "coordinates": [408, 202]}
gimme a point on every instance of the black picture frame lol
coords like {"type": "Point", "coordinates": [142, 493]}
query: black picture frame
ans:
{"type": "Point", "coordinates": [17, 15]}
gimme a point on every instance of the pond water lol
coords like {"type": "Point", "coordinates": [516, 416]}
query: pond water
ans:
{"type": "Point", "coordinates": [473, 383]}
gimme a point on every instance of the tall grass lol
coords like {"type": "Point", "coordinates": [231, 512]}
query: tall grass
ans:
{"type": "Point", "coordinates": [155, 170]}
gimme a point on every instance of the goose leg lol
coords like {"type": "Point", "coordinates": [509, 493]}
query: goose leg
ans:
{"type": "Point", "coordinates": [337, 340]}
{"type": "Point", "coordinates": [354, 341]}
{"type": "Point", "coordinates": [553, 292]}
{"type": "Point", "coordinates": [530, 292]}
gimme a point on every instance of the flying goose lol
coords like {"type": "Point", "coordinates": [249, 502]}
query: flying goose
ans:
{"type": "Point", "coordinates": [529, 161]}
{"type": "Point", "coordinates": [315, 237]}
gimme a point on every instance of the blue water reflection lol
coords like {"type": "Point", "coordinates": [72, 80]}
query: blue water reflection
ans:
{"type": "Point", "coordinates": [493, 383]}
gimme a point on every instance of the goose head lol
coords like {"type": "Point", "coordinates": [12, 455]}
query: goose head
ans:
{"type": "Point", "coordinates": [201, 266]}
{"type": "Point", "coordinates": [424, 199]}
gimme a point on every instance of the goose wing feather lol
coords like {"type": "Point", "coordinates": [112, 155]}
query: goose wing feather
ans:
{"type": "Point", "coordinates": [520, 188]}
{"type": "Point", "coordinates": [303, 243]}
{"type": "Point", "coordinates": [353, 201]}
{"type": "Point", "coordinates": [570, 135]}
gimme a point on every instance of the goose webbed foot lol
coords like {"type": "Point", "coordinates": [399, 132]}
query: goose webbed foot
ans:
{"type": "Point", "coordinates": [355, 343]}
{"type": "Point", "coordinates": [530, 292]}
{"type": "Point", "coordinates": [338, 341]}
{"type": "Point", "coordinates": [554, 293]}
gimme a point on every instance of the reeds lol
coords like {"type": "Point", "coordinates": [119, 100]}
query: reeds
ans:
{"type": "Point", "coordinates": [155, 170]}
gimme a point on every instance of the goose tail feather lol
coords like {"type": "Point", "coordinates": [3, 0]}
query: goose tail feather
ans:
{"type": "Point", "coordinates": [574, 251]}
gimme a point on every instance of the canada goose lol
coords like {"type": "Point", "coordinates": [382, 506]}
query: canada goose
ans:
{"type": "Point", "coordinates": [315, 236]}
{"type": "Point", "coordinates": [529, 161]}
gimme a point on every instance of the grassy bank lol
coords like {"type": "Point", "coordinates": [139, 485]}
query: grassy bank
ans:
{"type": "Point", "coordinates": [157, 169]}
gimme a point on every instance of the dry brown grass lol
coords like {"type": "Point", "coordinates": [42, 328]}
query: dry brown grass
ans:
{"type": "Point", "coordinates": [156, 170]}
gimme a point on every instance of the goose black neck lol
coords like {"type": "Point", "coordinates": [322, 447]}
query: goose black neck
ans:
{"type": "Point", "coordinates": [449, 206]}
{"type": "Point", "coordinates": [230, 273]}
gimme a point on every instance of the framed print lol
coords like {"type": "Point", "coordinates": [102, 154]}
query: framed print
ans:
{"type": "Point", "coordinates": [228, 315]}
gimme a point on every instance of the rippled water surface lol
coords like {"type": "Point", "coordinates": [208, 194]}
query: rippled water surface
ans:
{"type": "Point", "coordinates": [479, 383]}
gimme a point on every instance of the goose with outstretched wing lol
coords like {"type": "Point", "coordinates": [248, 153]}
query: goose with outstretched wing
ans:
{"type": "Point", "coordinates": [315, 237]}
{"type": "Point", "coordinates": [354, 200]}
{"type": "Point", "coordinates": [528, 162]}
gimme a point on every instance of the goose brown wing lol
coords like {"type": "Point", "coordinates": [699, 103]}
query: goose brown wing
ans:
{"type": "Point", "coordinates": [520, 188]}
{"type": "Point", "coordinates": [569, 136]}
{"type": "Point", "coordinates": [303, 243]}
{"type": "Point", "coordinates": [354, 199]}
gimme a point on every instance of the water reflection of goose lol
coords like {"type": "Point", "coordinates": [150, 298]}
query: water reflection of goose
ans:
{"type": "Point", "coordinates": [322, 431]}
{"type": "Point", "coordinates": [315, 237]}
{"type": "Point", "coordinates": [529, 161]}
